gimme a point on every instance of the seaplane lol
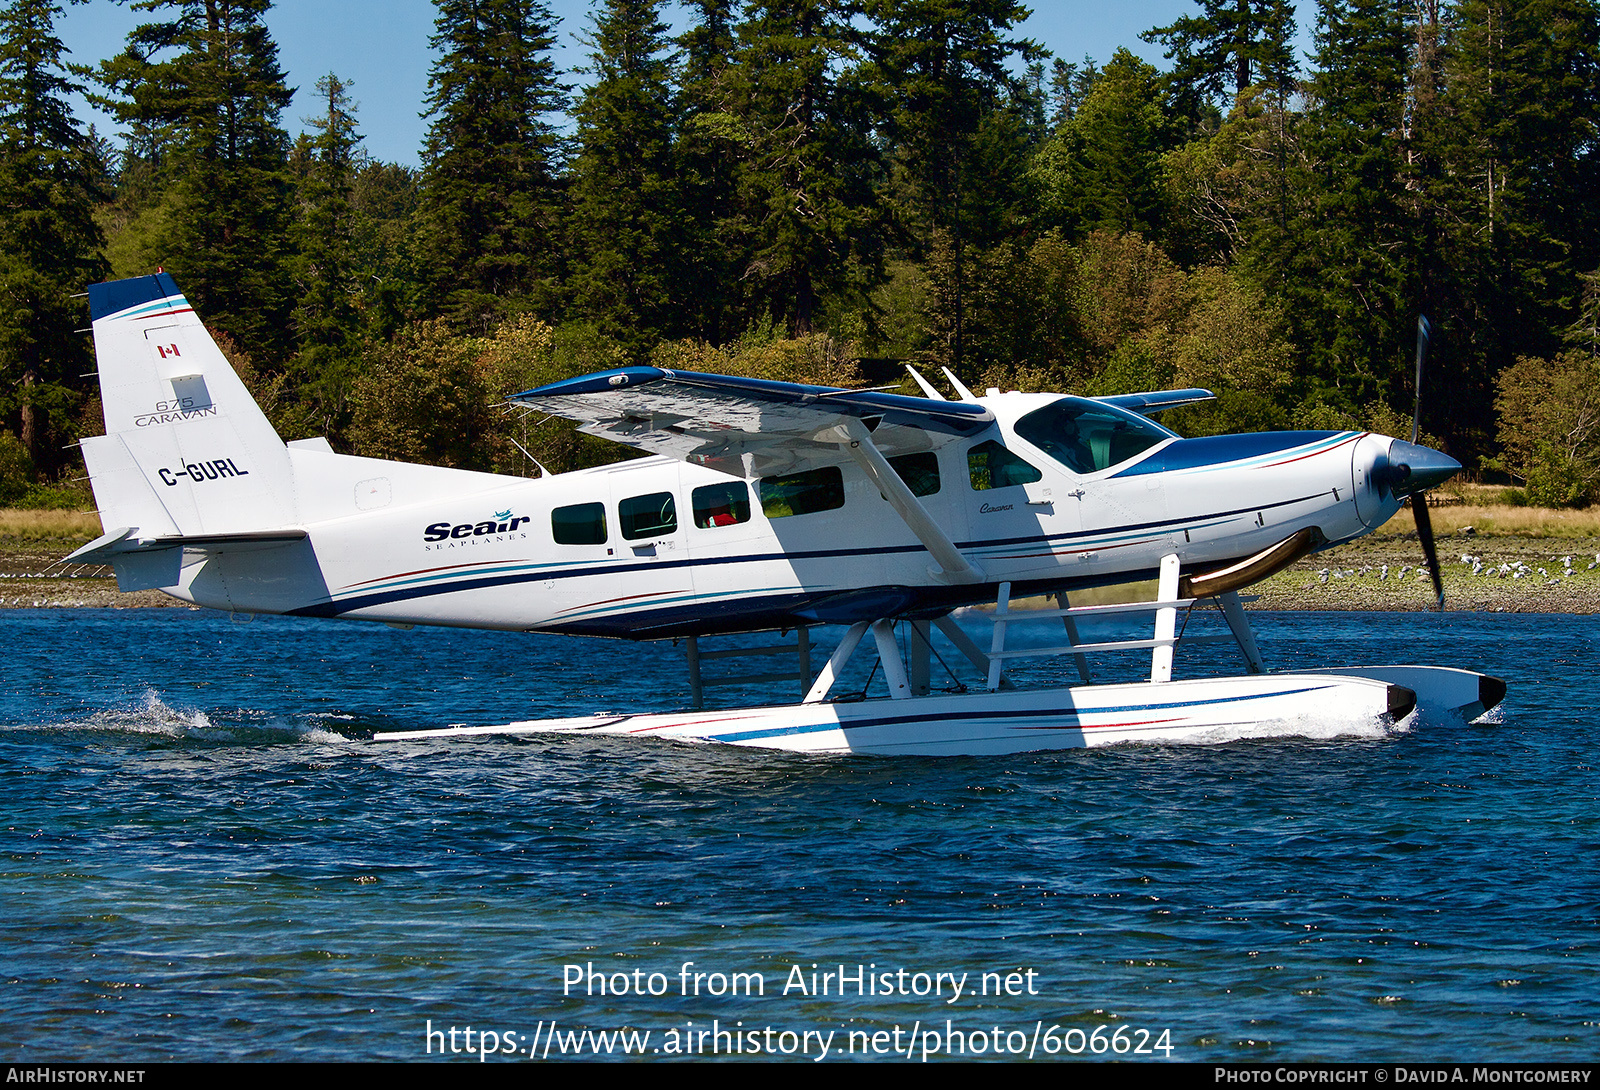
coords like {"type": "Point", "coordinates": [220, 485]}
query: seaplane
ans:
{"type": "Point", "coordinates": [773, 507]}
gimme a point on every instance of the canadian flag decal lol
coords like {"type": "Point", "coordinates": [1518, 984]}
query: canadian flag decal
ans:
{"type": "Point", "coordinates": [167, 350]}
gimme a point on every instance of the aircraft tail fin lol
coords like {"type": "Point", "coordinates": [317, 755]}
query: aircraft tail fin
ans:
{"type": "Point", "coordinates": [187, 452]}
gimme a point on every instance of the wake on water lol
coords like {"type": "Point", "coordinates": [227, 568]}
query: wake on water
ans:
{"type": "Point", "coordinates": [152, 715]}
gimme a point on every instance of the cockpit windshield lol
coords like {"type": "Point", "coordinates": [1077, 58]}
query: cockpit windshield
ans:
{"type": "Point", "coordinates": [1088, 436]}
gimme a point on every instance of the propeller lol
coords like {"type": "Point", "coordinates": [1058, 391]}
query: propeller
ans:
{"type": "Point", "coordinates": [1410, 470]}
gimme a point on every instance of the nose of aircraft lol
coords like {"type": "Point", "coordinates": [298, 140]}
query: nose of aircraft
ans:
{"type": "Point", "coordinates": [1410, 469]}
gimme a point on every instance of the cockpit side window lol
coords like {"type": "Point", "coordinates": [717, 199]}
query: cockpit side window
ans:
{"type": "Point", "coordinates": [1086, 437]}
{"type": "Point", "coordinates": [993, 466]}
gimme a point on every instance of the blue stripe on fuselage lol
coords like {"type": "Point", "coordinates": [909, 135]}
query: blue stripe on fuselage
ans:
{"type": "Point", "coordinates": [1212, 450]}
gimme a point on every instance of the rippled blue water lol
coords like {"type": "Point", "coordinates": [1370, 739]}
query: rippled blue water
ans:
{"type": "Point", "coordinates": [203, 857]}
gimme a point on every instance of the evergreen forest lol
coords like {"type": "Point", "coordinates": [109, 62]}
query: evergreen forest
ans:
{"type": "Point", "coordinates": [823, 191]}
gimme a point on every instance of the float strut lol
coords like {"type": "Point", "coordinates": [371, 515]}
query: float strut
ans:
{"type": "Point", "coordinates": [830, 672]}
{"type": "Point", "coordinates": [894, 670]}
{"type": "Point", "coordinates": [920, 653]}
{"type": "Point", "coordinates": [1239, 624]}
{"type": "Point", "coordinates": [1073, 638]}
{"type": "Point", "coordinates": [1166, 620]}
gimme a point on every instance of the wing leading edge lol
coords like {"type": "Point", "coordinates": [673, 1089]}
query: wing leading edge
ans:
{"type": "Point", "coordinates": [748, 427]}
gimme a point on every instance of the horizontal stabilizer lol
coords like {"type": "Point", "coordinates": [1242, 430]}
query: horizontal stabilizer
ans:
{"type": "Point", "coordinates": [121, 542]}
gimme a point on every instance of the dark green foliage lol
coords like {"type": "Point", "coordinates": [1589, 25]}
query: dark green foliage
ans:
{"type": "Point", "coordinates": [707, 295]}
{"type": "Point", "coordinates": [1231, 46]}
{"type": "Point", "coordinates": [1513, 199]}
{"type": "Point", "coordinates": [811, 227]}
{"type": "Point", "coordinates": [1346, 257]}
{"type": "Point", "coordinates": [624, 197]}
{"type": "Point", "coordinates": [203, 94]}
{"type": "Point", "coordinates": [1102, 169]}
{"type": "Point", "coordinates": [961, 126]}
{"type": "Point", "coordinates": [49, 242]}
{"type": "Point", "coordinates": [1550, 427]}
{"type": "Point", "coordinates": [488, 230]}
{"type": "Point", "coordinates": [809, 183]}
{"type": "Point", "coordinates": [1070, 84]}
{"type": "Point", "coordinates": [326, 322]}
{"type": "Point", "coordinates": [952, 111]}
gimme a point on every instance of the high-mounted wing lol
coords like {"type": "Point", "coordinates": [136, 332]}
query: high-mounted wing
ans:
{"type": "Point", "coordinates": [1155, 401]}
{"type": "Point", "coordinates": [748, 427]}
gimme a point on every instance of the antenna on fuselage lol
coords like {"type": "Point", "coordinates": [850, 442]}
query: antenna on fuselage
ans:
{"type": "Point", "coordinates": [543, 472]}
{"type": "Point", "coordinates": [966, 394]}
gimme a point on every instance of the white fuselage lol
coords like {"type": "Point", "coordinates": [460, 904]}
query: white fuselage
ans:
{"type": "Point", "coordinates": [412, 544]}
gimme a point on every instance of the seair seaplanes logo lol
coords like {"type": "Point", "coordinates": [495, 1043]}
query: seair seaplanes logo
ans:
{"type": "Point", "coordinates": [503, 527]}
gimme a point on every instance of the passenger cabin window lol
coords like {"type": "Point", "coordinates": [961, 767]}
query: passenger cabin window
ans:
{"type": "Point", "coordinates": [920, 472]}
{"type": "Point", "coordinates": [1086, 437]}
{"type": "Point", "coordinates": [802, 493]}
{"type": "Point", "coordinates": [721, 504]}
{"type": "Point", "coordinates": [580, 524]}
{"type": "Point", "coordinates": [993, 466]}
{"type": "Point", "coordinates": [647, 516]}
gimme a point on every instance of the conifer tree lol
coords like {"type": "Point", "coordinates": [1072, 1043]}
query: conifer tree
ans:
{"type": "Point", "coordinates": [707, 156]}
{"type": "Point", "coordinates": [326, 318]}
{"type": "Point", "coordinates": [623, 195]}
{"type": "Point", "coordinates": [206, 90]}
{"type": "Point", "coordinates": [49, 242]}
{"type": "Point", "coordinates": [1347, 264]}
{"type": "Point", "coordinates": [489, 225]}
{"type": "Point", "coordinates": [808, 169]}
{"type": "Point", "coordinates": [960, 143]}
{"type": "Point", "coordinates": [1102, 170]}
{"type": "Point", "coordinates": [1230, 46]}
{"type": "Point", "coordinates": [1515, 190]}
{"type": "Point", "coordinates": [951, 105]}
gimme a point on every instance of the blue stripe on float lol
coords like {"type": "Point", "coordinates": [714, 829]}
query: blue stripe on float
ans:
{"type": "Point", "coordinates": [893, 720]}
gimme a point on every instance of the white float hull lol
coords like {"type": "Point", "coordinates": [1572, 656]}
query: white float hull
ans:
{"type": "Point", "coordinates": [1321, 704]}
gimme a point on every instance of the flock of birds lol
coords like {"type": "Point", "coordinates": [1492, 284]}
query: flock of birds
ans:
{"type": "Point", "coordinates": [1508, 569]}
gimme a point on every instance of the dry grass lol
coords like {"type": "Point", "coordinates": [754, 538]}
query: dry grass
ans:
{"type": "Point", "coordinates": [38, 525]}
{"type": "Point", "coordinates": [1499, 518]}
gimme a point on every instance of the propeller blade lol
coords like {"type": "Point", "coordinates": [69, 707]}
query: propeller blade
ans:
{"type": "Point", "coordinates": [1419, 510]}
{"type": "Point", "coordinates": [1424, 330]}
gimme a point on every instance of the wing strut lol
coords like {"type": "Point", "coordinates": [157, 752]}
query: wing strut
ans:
{"type": "Point", "coordinates": [857, 442]}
